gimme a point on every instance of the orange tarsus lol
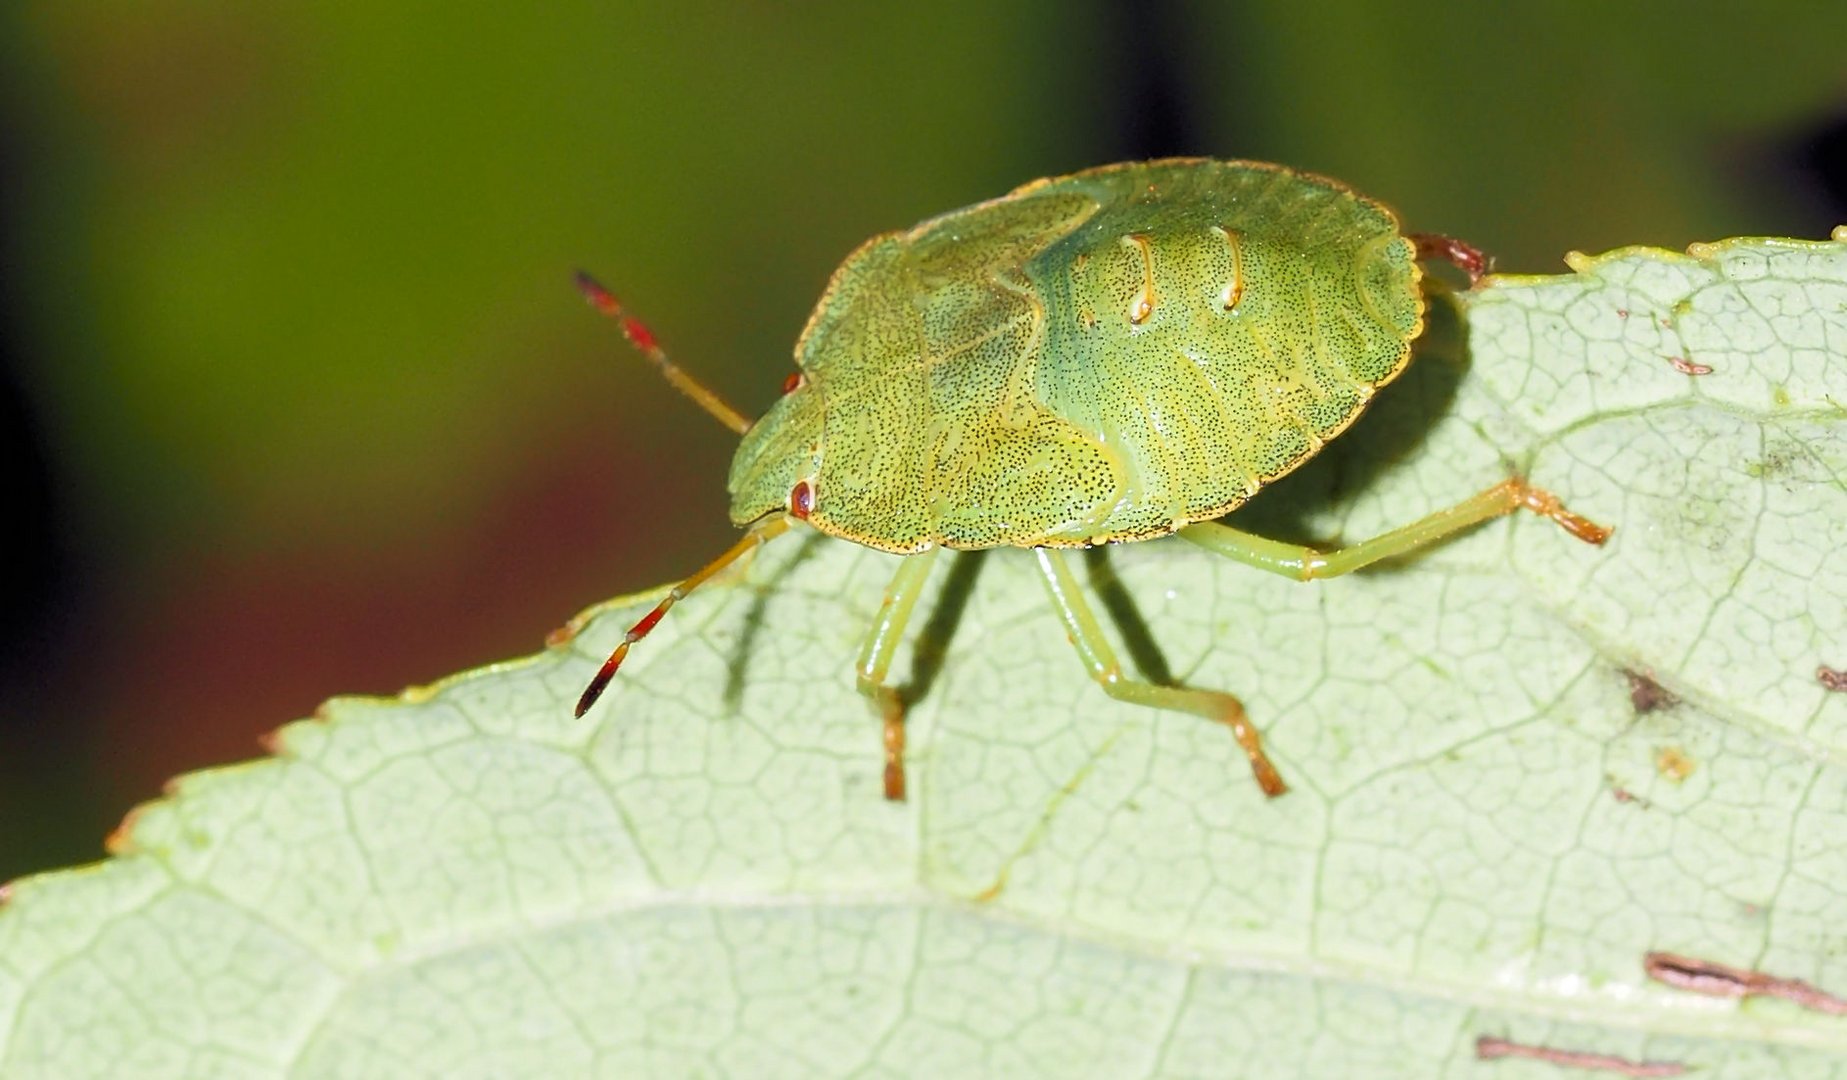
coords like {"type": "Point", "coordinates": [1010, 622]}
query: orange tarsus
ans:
{"type": "Point", "coordinates": [894, 760]}
{"type": "Point", "coordinates": [1546, 504]}
{"type": "Point", "coordinates": [1466, 257]}
{"type": "Point", "coordinates": [1267, 777]}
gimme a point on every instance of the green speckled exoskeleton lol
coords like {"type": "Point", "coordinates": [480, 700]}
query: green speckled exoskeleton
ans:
{"type": "Point", "coordinates": [1120, 354]}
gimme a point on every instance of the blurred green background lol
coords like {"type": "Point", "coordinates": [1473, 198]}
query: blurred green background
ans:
{"type": "Point", "coordinates": [297, 399]}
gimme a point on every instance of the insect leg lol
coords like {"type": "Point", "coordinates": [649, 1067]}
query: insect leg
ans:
{"type": "Point", "coordinates": [1304, 563]}
{"type": "Point", "coordinates": [1100, 661]}
{"type": "Point", "coordinates": [1466, 257]}
{"type": "Point", "coordinates": [765, 530]}
{"type": "Point", "coordinates": [875, 660]}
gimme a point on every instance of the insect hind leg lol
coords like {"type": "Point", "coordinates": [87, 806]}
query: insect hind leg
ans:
{"type": "Point", "coordinates": [1466, 257]}
{"type": "Point", "coordinates": [1306, 563]}
{"type": "Point", "coordinates": [1100, 661]}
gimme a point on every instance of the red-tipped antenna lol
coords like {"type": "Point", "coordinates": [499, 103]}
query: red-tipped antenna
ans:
{"type": "Point", "coordinates": [767, 529]}
{"type": "Point", "coordinates": [639, 335]}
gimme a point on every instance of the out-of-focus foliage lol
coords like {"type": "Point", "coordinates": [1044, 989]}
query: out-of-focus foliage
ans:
{"type": "Point", "coordinates": [288, 303]}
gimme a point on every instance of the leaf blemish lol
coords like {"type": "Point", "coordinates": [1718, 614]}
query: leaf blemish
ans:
{"type": "Point", "coordinates": [1782, 459]}
{"type": "Point", "coordinates": [1722, 980]}
{"type": "Point", "coordinates": [1673, 763]}
{"type": "Point", "coordinates": [1489, 1047]}
{"type": "Point", "coordinates": [1624, 795]}
{"type": "Point", "coordinates": [1832, 679]}
{"type": "Point", "coordinates": [1646, 695]}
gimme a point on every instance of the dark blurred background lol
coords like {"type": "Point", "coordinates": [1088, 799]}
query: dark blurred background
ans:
{"type": "Point", "coordinates": [296, 398]}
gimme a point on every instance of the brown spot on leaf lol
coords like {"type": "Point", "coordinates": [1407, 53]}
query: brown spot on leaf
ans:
{"type": "Point", "coordinates": [1832, 679]}
{"type": "Point", "coordinates": [1488, 1048]}
{"type": "Point", "coordinates": [1646, 695]}
{"type": "Point", "coordinates": [1722, 980]}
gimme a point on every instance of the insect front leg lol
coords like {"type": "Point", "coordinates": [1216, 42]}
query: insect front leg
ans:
{"type": "Point", "coordinates": [875, 661]}
{"type": "Point", "coordinates": [1305, 563]}
{"type": "Point", "coordinates": [1100, 660]}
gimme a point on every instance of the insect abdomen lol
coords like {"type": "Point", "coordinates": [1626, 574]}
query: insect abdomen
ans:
{"type": "Point", "coordinates": [1215, 343]}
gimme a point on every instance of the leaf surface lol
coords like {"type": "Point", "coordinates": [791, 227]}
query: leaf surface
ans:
{"type": "Point", "coordinates": [1519, 765]}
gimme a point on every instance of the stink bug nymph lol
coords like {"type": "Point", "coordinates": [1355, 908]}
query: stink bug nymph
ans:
{"type": "Point", "coordinates": [1120, 354]}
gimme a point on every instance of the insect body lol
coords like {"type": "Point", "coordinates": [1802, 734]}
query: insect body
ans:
{"type": "Point", "coordinates": [1115, 355]}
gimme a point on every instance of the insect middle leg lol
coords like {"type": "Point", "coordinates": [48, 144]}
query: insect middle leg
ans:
{"type": "Point", "coordinates": [875, 661]}
{"type": "Point", "coordinates": [1305, 563]}
{"type": "Point", "coordinates": [1100, 660]}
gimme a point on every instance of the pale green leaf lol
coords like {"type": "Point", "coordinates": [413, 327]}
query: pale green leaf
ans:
{"type": "Point", "coordinates": [1489, 828]}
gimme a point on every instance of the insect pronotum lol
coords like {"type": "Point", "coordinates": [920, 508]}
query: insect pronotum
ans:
{"type": "Point", "coordinates": [1116, 355]}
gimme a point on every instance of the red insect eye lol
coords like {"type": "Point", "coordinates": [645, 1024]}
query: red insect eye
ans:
{"type": "Point", "coordinates": [801, 500]}
{"type": "Point", "coordinates": [792, 383]}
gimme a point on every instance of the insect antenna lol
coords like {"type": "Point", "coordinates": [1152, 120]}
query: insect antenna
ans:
{"type": "Point", "coordinates": [643, 339]}
{"type": "Point", "coordinates": [762, 532]}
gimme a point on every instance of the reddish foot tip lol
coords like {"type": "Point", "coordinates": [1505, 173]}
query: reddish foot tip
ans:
{"type": "Point", "coordinates": [1584, 529]}
{"type": "Point", "coordinates": [1466, 257]}
{"type": "Point", "coordinates": [1546, 504]}
{"type": "Point", "coordinates": [1268, 779]}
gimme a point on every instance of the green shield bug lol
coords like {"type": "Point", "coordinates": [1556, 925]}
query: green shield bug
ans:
{"type": "Point", "coordinates": [1120, 354]}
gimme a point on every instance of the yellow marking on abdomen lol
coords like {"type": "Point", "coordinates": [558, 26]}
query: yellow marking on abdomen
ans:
{"type": "Point", "coordinates": [1141, 306]}
{"type": "Point", "coordinates": [1234, 289]}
